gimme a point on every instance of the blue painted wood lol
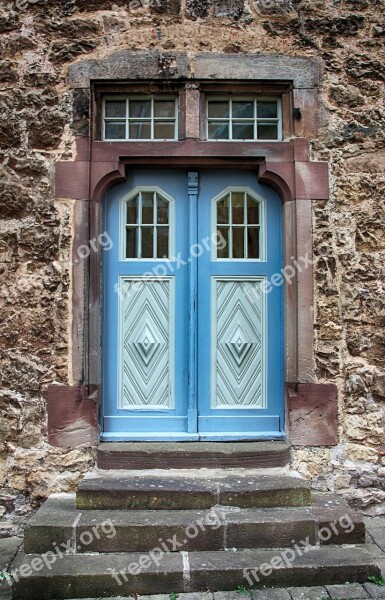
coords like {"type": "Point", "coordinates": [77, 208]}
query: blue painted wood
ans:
{"type": "Point", "coordinates": [121, 421]}
{"type": "Point", "coordinates": [193, 315]}
{"type": "Point", "coordinates": [212, 421]}
{"type": "Point", "coordinates": [192, 414]}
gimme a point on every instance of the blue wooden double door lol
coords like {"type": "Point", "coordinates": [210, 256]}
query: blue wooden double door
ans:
{"type": "Point", "coordinates": [192, 308]}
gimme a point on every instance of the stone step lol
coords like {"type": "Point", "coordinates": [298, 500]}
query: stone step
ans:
{"type": "Point", "coordinates": [219, 528]}
{"type": "Point", "coordinates": [329, 520]}
{"type": "Point", "coordinates": [192, 455]}
{"type": "Point", "coordinates": [194, 491]}
{"type": "Point", "coordinates": [106, 575]}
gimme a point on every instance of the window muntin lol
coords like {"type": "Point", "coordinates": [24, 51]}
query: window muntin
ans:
{"type": "Point", "coordinates": [140, 118]}
{"type": "Point", "coordinates": [238, 218]}
{"type": "Point", "coordinates": [147, 221]}
{"type": "Point", "coordinates": [244, 119]}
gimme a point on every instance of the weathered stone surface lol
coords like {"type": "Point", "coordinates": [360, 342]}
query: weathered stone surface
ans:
{"type": "Point", "coordinates": [195, 455]}
{"type": "Point", "coordinates": [197, 8]}
{"type": "Point", "coordinates": [228, 8]}
{"type": "Point", "coordinates": [349, 527]}
{"type": "Point", "coordinates": [350, 590]}
{"type": "Point", "coordinates": [270, 595]}
{"type": "Point", "coordinates": [317, 404]}
{"type": "Point", "coordinates": [304, 73]}
{"type": "Point", "coordinates": [368, 428]}
{"type": "Point", "coordinates": [52, 525]}
{"type": "Point", "coordinates": [374, 590]}
{"type": "Point", "coordinates": [129, 65]}
{"type": "Point", "coordinates": [191, 492]}
{"type": "Point", "coordinates": [165, 7]}
{"type": "Point", "coordinates": [379, 385]}
{"type": "Point", "coordinates": [306, 593]}
{"type": "Point", "coordinates": [89, 575]}
{"type": "Point", "coordinates": [43, 48]}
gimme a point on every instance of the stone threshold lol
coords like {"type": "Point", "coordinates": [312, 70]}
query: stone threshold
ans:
{"type": "Point", "coordinates": [192, 455]}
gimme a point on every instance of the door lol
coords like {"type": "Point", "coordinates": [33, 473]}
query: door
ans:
{"type": "Point", "coordinates": [192, 324]}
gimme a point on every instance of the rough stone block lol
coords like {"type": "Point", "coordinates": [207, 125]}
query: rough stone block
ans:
{"type": "Point", "coordinates": [374, 591]}
{"type": "Point", "coordinates": [308, 593]}
{"type": "Point", "coordinates": [349, 591]}
{"type": "Point", "coordinates": [192, 492]}
{"type": "Point", "coordinates": [51, 525]}
{"type": "Point", "coordinates": [304, 72]}
{"type": "Point", "coordinates": [313, 415]}
{"type": "Point", "coordinates": [269, 528]}
{"type": "Point", "coordinates": [274, 594]}
{"type": "Point", "coordinates": [140, 531]}
{"type": "Point", "coordinates": [128, 65]}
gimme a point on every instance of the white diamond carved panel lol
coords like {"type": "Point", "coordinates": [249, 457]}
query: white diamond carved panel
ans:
{"type": "Point", "coordinates": [146, 344]}
{"type": "Point", "coordinates": [238, 344]}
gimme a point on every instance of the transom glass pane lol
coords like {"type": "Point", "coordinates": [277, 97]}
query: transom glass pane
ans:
{"type": "Point", "coordinates": [135, 118]}
{"type": "Point", "coordinates": [243, 119]}
{"type": "Point", "coordinates": [164, 109]}
{"type": "Point", "coordinates": [267, 110]}
{"type": "Point", "coordinates": [267, 131]}
{"type": "Point", "coordinates": [140, 131]}
{"type": "Point", "coordinates": [163, 131]}
{"type": "Point", "coordinates": [243, 110]}
{"type": "Point", "coordinates": [140, 109]}
{"type": "Point", "coordinates": [238, 226]}
{"type": "Point", "coordinates": [116, 108]}
{"type": "Point", "coordinates": [218, 131]}
{"type": "Point", "coordinates": [147, 226]}
{"type": "Point", "coordinates": [243, 131]}
{"type": "Point", "coordinates": [219, 110]}
{"type": "Point", "coordinates": [115, 130]}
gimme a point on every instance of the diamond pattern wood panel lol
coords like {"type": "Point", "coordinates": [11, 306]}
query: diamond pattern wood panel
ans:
{"type": "Point", "coordinates": [146, 345]}
{"type": "Point", "coordinates": [238, 353]}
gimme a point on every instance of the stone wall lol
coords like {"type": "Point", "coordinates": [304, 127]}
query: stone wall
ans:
{"type": "Point", "coordinates": [39, 40]}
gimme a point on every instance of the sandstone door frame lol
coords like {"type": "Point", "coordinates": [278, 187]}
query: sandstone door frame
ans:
{"type": "Point", "coordinates": [285, 166]}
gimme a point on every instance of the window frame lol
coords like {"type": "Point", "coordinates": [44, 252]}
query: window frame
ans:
{"type": "Point", "coordinates": [262, 224]}
{"type": "Point", "coordinates": [247, 98]}
{"type": "Point", "coordinates": [123, 225]}
{"type": "Point", "coordinates": [152, 119]}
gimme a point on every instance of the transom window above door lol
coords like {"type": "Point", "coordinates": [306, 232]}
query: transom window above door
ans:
{"type": "Point", "coordinates": [238, 218]}
{"type": "Point", "coordinates": [244, 119]}
{"type": "Point", "coordinates": [164, 117]}
{"type": "Point", "coordinates": [140, 118]}
{"type": "Point", "coordinates": [147, 217]}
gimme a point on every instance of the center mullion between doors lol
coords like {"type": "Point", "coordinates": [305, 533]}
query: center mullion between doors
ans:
{"type": "Point", "coordinates": [192, 409]}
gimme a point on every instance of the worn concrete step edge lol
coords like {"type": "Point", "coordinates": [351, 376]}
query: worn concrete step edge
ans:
{"type": "Point", "coordinates": [105, 575]}
{"type": "Point", "coordinates": [190, 455]}
{"type": "Point", "coordinates": [58, 521]}
{"type": "Point", "coordinates": [114, 493]}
